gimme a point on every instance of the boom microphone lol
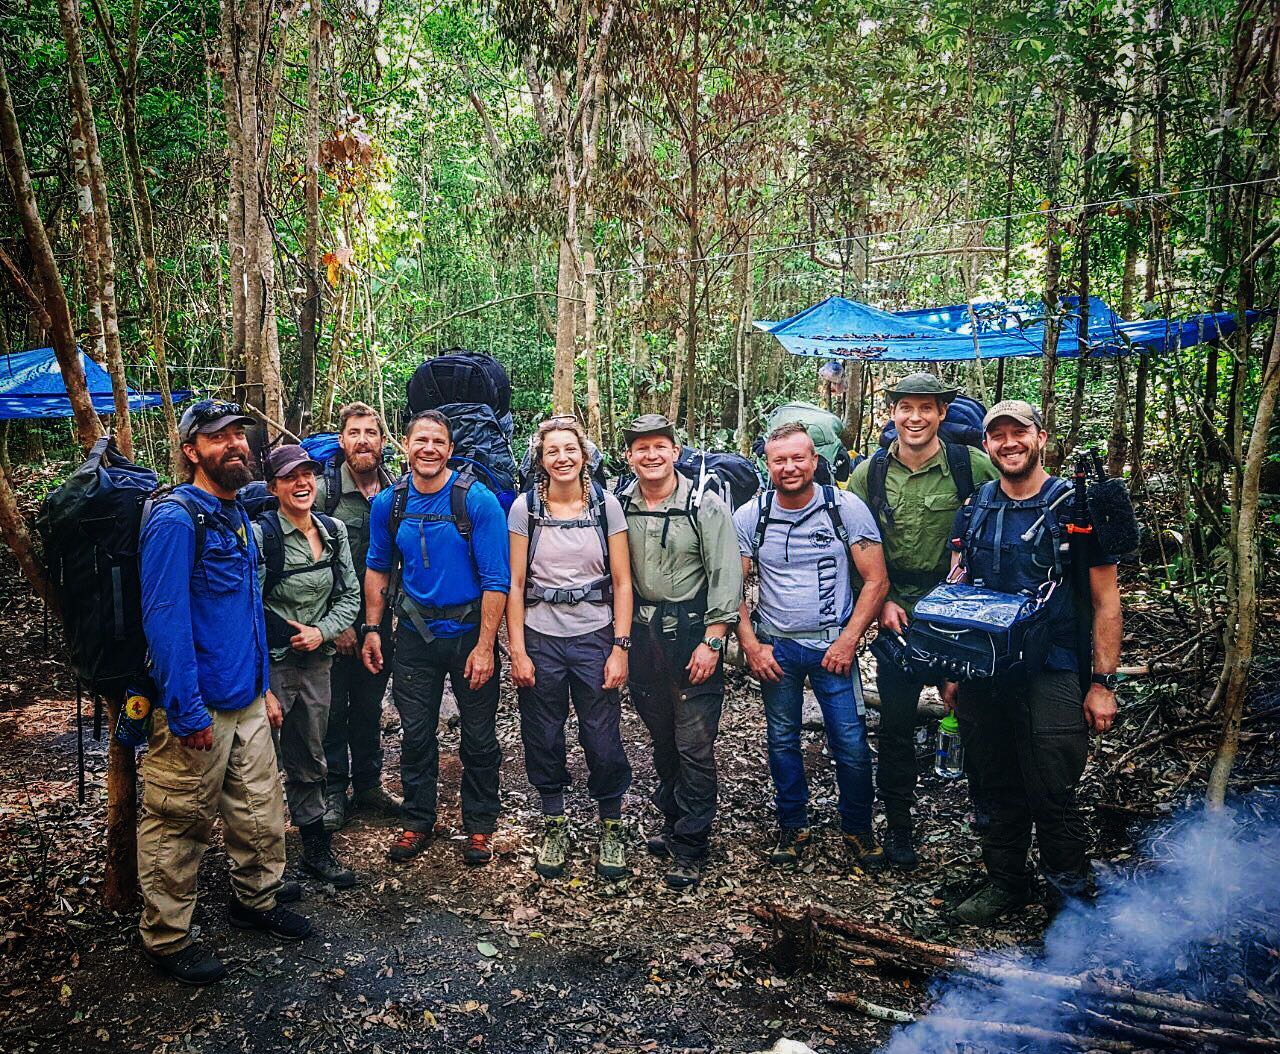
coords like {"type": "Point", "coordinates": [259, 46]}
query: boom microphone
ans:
{"type": "Point", "coordinates": [1115, 525]}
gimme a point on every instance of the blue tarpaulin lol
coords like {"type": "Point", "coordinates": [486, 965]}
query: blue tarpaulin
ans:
{"type": "Point", "coordinates": [841, 328]}
{"type": "Point", "coordinates": [31, 386]}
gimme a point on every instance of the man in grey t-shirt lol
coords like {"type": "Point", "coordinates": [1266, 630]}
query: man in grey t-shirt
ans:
{"type": "Point", "coordinates": [805, 542]}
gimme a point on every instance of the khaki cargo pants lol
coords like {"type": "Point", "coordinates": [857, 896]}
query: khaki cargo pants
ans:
{"type": "Point", "coordinates": [183, 791]}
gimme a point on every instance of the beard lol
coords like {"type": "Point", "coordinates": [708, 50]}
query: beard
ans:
{"type": "Point", "coordinates": [363, 460]}
{"type": "Point", "coordinates": [226, 472]}
{"type": "Point", "coordinates": [1029, 466]}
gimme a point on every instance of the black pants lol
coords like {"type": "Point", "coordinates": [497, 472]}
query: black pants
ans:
{"type": "Point", "coordinates": [896, 743]}
{"type": "Point", "coordinates": [1028, 741]}
{"type": "Point", "coordinates": [355, 724]}
{"type": "Point", "coordinates": [683, 721]}
{"type": "Point", "coordinates": [572, 668]}
{"type": "Point", "coordinates": [417, 688]}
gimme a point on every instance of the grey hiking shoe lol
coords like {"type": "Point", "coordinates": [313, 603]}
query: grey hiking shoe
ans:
{"type": "Point", "coordinates": [554, 849]}
{"type": "Point", "coordinates": [377, 800]}
{"type": "Point", "coordinates": [335, 811]}
{"type": "Point", "coordinates": [612, 864]}
{"type": "Point", "coordinates": [660, 844]}
{"type": "Point", "coordinates": [683, 873]}
{"type": "Point", "coordinates": [990, 904]}
{"type": "Point", "coordinates": [865, 850]}
{"type": "Point", "coordinates": [792, 842]}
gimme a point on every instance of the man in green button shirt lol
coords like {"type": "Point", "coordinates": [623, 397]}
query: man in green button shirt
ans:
{"type": "Point", "coordinates": [914, 489]}
{"type": "Point", "coordinates": [311, 594]}
{"type": "Point", "coordinates": [353, 741]}
{"type": "Point", "coordinates": [687, 580]}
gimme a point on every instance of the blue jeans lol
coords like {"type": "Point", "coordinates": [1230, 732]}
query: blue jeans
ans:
{"type": "Point", "coordinates": [843, 716]}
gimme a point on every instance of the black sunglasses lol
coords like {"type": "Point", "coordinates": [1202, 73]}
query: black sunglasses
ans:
{"type": "Point", "coordinates": [212, 409]}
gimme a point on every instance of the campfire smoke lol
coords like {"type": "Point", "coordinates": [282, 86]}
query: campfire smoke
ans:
{"type": "Point", "coordinates": [1202, 925]}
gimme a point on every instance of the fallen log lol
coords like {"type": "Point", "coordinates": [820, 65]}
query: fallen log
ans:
{"type": "Point", "coordinates": [870, 1009]}
{"type": "Point", "coordinates": [1227, 1039]}
{"type": "Point", "coordinates": [1043, 1036]}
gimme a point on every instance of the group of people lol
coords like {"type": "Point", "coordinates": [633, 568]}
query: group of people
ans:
{"type": "Point", "coordinates": [272, 642]}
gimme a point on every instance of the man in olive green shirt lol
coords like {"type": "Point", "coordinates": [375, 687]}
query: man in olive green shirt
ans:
{"type": "Point", "coordinates": [914, 489]}
{"type": "Point", "coordinates": [687, 578]}
{"type": "Point", "coordinates": [311, 594]}
{"type": "Point", "coordinates": [353, 739]}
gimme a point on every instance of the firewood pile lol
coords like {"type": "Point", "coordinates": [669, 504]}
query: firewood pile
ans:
{"type": "Point", "coordinates": [1049, 1011]}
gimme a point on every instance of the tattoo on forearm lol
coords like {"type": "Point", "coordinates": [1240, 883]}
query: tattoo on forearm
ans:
{"type": "Point", "coordinates": [866, 543]}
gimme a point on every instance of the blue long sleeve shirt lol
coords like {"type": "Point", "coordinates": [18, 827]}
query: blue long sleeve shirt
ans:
{"type": "Point", "coordinates": [449, 573]}
{"type": "Point", "coordinates": [203, 617]}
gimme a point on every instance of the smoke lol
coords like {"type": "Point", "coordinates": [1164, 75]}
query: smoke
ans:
{"type": "Point", "coordinates": [1202, 921]}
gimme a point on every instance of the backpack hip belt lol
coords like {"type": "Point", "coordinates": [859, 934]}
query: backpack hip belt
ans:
{"type": "Point", "coordinates": [419, 614]}
{"type": "Point", "coordinates": [598, 592]}
{"type": "Point", "coordinates": [688, 614]}
{"type": "Point", "coordinates": [826, 634]}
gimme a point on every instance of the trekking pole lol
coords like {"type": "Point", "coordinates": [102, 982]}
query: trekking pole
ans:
{"type": "Point", "coordinates": [80, 740]}
{"type": "Point", "coordinates": [1079, 529]}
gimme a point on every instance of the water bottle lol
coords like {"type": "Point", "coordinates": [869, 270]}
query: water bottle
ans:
{"type": "Point", "coordinates": [949, 762]}
{"type": "Point", "coordinates": [133, 726]}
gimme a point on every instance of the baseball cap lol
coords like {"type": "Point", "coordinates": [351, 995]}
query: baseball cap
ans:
{"type": "Point", "coordinates": [1022, 412]}
{"type": "Point", "coordinates": [284, 459]}
{"type": "Point", "coordinates": [209, 416]}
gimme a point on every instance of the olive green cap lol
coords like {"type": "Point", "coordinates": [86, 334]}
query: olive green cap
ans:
{"type": "Point", "coordinates": [648, 425]}
{"type": "Point", "coordinates": [921, 384]}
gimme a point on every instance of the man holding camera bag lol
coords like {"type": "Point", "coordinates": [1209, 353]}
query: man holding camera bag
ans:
{"type": "Point", "coordinates": [1026, 731]}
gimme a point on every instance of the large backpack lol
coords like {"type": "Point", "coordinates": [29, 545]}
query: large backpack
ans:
{"type": "Point", "coordinates": [962, 425]}
{"type": "Point", "coordinates": [482, 449]}
{"type": "Point", "coordinates": [460, 376]}
{"type": "Point", "coordinates": [732, 477]}
{"type": "Point", "coordinates": [90, 528]}
{"type": "Point", "coordinates": [598, 591]}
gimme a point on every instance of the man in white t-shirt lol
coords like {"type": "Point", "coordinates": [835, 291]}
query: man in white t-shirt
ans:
{"type": "Point", "coordinates": [805, 542]}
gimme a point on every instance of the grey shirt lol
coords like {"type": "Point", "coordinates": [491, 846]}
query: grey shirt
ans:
{"type": "Point", "coordinates": [566, 558]}
{"type": "Point", "coordinates": [804, 577]}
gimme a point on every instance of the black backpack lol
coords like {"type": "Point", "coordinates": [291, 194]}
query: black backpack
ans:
{"type": "Point", "coordinates": [460, 376]}
{"type": "Point", "coordinates": [600, 590]}
{"type": "Point", "coordinates": [732, 477]}
{"type": "Point", "coordinates": [90, 528]}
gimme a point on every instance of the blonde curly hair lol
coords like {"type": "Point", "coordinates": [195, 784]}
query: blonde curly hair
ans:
{"type": "Point", "coordinates": [537, 443]}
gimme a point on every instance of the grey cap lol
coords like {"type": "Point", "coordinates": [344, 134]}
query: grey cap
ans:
{"type": "Point", "coordinates": [209, 416]}
{"type": "Point", "coordinates": [649, 425]}
{"type": "Point", "coordinates": [1022, 412]}
{"type": "Point", "coordinates": [921, 384]}
{"type": "Point", "coordinates": [284, 459]}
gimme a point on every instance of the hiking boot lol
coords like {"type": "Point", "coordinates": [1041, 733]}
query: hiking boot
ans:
{"type": "Point", "coordinates": [792, 842]}
{"type": "Point", "coordinates": [990, 904]}
{"type": "Point", "coordinates": [684, 873]}
{"type": "Point", "coordinates": [612, 862]}
{"type": "Point", "coordinates": [281, 923]}
{"type": "Point", "coordinates": [377, 800]}
{"type": "Point", "coordinates": [408, 845]}
{"type": "Point", "coordinates": [335, 810]}
{"type": "Point", "coordinates": [900, 848]}
{"type": "Point", "coordinates": [318, 859]}
{"type": "Point", "coordinates": [290, 892]}
{"type": "Point", "coordinates": [479, 850]}
{"type": "Point", "coordinates": [193, 965]}
{"type": "Point", "coordinates": [554, 848]}
{"type": "Point", "coordinates": [660, 844]}
{"type": "Point", "coordinates": [864, 849]}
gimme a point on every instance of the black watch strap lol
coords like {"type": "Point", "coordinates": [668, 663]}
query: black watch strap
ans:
{"type": "Point", "coordinates": [370, 627]}
{"type": "Point", "coordinates": [1109, 681]}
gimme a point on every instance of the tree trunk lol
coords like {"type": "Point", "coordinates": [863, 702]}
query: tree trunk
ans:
{"type": "Point", "coordinates": [1083, 240]}
{"type": "Point", "coordinates": [87, 426]}
{"type": "Point", "coordinates": [1242, 621]}
{"type": "Point", "coordinates": [677, 377]}
{"type": "Point", "coordinates": [89, 256]}
{"type": "Point", "coordinates": [120, 880]}
{"type": "Point", "coordinates": [566, 330]}
{"type": "Point", "coordinates": [13, 528]}
{"type": "Point", "coordinates": [742, 342]}
{"type": "Point", "coordinates": [586, 236]}
{"type": "Point", "coordinates": [1052, 275]}
{"type": "Point", "coordinates": [309, 320]}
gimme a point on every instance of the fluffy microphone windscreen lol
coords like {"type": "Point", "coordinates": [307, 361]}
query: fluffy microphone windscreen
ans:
{"type": "Point", "coordinates": [1114, 524]}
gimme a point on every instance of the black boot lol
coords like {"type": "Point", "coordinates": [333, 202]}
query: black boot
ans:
{"type": "Point", "coordinates": [318, 858]}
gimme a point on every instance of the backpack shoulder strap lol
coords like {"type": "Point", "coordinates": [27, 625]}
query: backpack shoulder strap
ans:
{"type": "Point", "coordinates": [961, 466]}
{"type": "Point", "coordinates": [877, 492]}
{"type": "Point", "coordinates": [332, 483]}
{"type": "Point", "coordinates": [272, 550]}
{"type": "Point", "coordinates": [458, 492]}
{"type": "Point", "coordinates": [596, 510]}
{"type": "Point", "coordinates": [198, 519]}
{"type": "Point", "coordinates": [764, 505]}
{"type": "Point", "coordinates": [832, 504]}
{"type": "Point", "coordinates": [534, 504]}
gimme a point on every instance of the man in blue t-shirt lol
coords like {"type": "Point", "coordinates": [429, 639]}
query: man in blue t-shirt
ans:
{"type": "Point", "coordinates": [438, 550]}
{"type": "Point", "coordinates": [1026, 733]}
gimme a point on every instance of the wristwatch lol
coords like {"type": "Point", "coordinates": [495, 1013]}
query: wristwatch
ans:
{"type": "Point", "coordinates": [622, 642]}
{"type": "Point", "coordinates": [369, 627]}
{"type": "Point", "coordinates": [714, 643]}
{"type": "Point", "coordinates": [1109, 681]}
